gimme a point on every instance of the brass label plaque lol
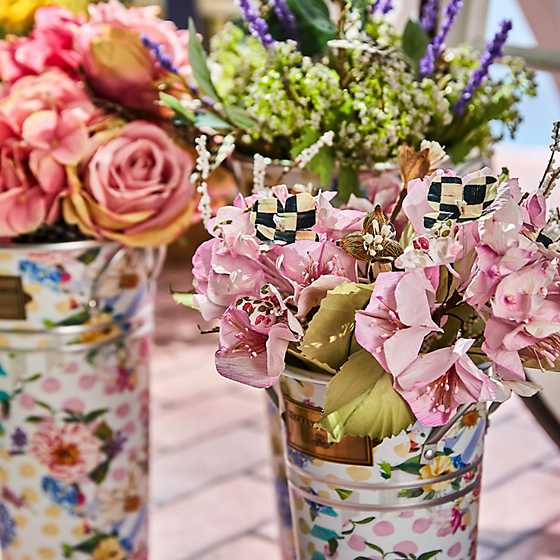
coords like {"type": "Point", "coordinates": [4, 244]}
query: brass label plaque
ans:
{"type": "Point", "coordinates": [305, 437]}
{"type": "Point", "coordinates": [12, 299]}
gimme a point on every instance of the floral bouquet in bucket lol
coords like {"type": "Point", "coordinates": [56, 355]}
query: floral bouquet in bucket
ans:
{"type": "Point", "coordinates": [384, 334]}
{"type": "Point", "coordinates": [292, 70]}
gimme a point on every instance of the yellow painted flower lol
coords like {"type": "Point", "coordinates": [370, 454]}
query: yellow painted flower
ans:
{"type": "Point", "coordinates": [16, 16]}
{"type": "Point", "coordinates": [440, 466]}
{"type": "Point", "coordinates": [109, 549]}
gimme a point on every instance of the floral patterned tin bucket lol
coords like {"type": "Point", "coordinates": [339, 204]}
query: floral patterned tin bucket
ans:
{"type": "Point", "coordinates": [282, 493]}
{"type": "Point", "coordinates": [75, 334]}
{"type": "Point", "coordinates": [414, 496]}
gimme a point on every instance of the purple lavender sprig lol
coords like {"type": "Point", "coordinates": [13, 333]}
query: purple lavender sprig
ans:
{"type": "Point", "coordinates": [285, 16]}
{"type": "Point", "coordinates": [435, 48]}
{"type": "Point", "coordinates": [257, 25]}
{"type": "Point", "coordinates": [162, 59]}
{"type": "Point", "coordinates": [382, 6]}
{"type": "Point", "coordinates": [429, 17]}
{"type": "Point", "coordinates": [494, 50]}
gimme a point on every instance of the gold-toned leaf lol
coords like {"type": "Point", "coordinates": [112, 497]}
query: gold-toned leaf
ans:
{"type": "Point", "coordinates": [295, 358]}
{"type": "Point", "coordinates": [353, 244]}
{"type": "Point", "coordinates": [328, 338]}
{"type": "Point", "coordinates": [361, 401]}
{"type": "Point", "coordinates": [413, 164]}
{"type": "Point", "coordinates": [185, 298]}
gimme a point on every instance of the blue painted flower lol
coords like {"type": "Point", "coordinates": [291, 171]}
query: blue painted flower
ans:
{"type": "Point", "coordinates": [51, 276]}
{"type": "Point", "coordinates": [7, 527]}
{"type": "Point", "coordinates": [297, 458]}
{"type": "Point", "coordinates": [67, 496]}
{"type": "Point", "coordinates": [458, 462]}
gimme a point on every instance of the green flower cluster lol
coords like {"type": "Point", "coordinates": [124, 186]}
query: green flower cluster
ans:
{"type": "Point", "coordinates": [366, 91]}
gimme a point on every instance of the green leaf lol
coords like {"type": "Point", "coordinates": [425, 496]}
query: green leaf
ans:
{"type": "Point", "coordinates": [329, 335]}
{"type": "Point", "coordinates": [343, 494]}
{"type": "Point", "coordinates": [240, 118]}
{"type": "Point", "coordinates": [309, 137]}
{"type": "Point", "coordinates": [89, 545]}
{"type": "Point", "coordinates": [100, 472]}
{"type": "Point", "coordinates": [333, 545]}
{"type": "Point", "coordinates": [94, 415]}
{"type": "Point", "coordinates": [297, 359]}
{"type": "Point", "coordinates": [348, 183]}
{"type": "Point", "coordinates": [36, 419]}
{"type": "Point", "coordinates": [429, 555]}
{"type": "Point", "coordinates": [78, 318]}
{"type": "Point", "coordinates": [361, 401]}
{"type": "Point", "coordinates": [32, 378]}
{"type": "Point", "coordinates": [376, 548]}
{"type": "Point", "coordinates": [209, 120]}
{"type": "Point", "coordinates": [44, 405]}
{"type": "Point", "coordinates": [197, 59]}
{"type": "Point", "coordinates": [386, 470]}
{"type": "Point", "coordinates": [414, 41]}
{"type": "Point", "coordinates": [365, 521]}
{"type": "Point", "coordinates": [185, 298]}
{"type": "Point", "coordinates": [410, 466]}
{"type": "Point", "coordinates": [177, 107]}
{"type": "Point", "coordinates": [103, 431]}
{"type": "Point", "coordinates": [411, 493]}
{"type": "Point", "coordinates": [323, 165]}
{"type": "Point", "coordinates": [89, 256]}
{"type": "Point", "coordinates": [4, 396]}
{"type": "Point", "coordinates": [322, 533]}
{"type": "Point", "coordinates": [314, 26]}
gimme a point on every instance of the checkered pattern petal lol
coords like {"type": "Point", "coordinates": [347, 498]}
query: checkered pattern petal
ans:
{"type": "Point", "coordinates": [453, 200]}
{"type": "Point", "coordinates": [283, 224]}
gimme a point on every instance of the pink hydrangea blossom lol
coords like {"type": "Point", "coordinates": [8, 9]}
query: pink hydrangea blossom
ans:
{"type": "Point", "coordinates": [50, 45]}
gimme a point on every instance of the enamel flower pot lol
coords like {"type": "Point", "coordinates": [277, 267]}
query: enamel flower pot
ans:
{"type": "Point", "coordinates": [414, 496]}
{"type": "Point", "coordinates": [75, 336]}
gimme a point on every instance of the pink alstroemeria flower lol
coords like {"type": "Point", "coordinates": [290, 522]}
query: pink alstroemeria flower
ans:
{"type": "Point", "coordinates": [333, 222]}
{"type": "Point", "coordinates": [525, 320]}
{"type": "Point", "coordinates": [437, 383]}
{"type": "Point", "coordinates": [398, 318]}
{"type": "Point", "coordinates": [254, 336]}
{"type": "Point", "coordinates": [310, 269]}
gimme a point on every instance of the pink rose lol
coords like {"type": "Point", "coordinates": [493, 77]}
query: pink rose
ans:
{"type": "Point", "coordinates": [134, 187]}
{"type": "Point", "coordinates": [31, 184]}
{"type": "Point", "coordinates": [50, 45]}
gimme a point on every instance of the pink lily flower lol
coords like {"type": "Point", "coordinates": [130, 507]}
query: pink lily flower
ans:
{"type": "Point", "coordinates": [437, 383]}
{"type": "Point", "coordinates": [398, 318]}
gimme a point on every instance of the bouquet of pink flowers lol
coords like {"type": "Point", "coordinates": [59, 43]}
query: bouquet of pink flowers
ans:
{"type": "Point", "coordinates": [85, 146]}
{"type": "Point", "coordinates": [414, 321]}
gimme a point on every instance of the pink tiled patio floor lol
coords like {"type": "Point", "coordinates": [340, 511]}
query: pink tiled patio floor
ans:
{"type": "Point", "coordinates": [212, 489]}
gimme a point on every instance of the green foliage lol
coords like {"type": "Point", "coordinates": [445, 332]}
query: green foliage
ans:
{"type": "Point", "coordinates": [361, 401]}
{"type": "Point", "coordinates": [197, 59]}
{"type": "Point", "coordinates": [314, 25]}
{"type": "Point", "coordinates": [414, 41]}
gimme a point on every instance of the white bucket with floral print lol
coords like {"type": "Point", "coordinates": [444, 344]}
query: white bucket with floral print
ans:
{"type": "Point", "coordinates": [75, 337]}
{"type": "Point", "coordinates": [398, 499]}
